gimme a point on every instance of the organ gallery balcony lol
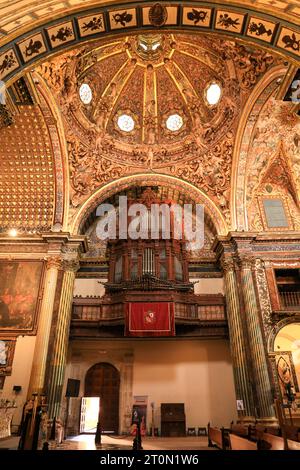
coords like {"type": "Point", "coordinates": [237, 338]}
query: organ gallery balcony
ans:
{"type": "Point", "coordinates": [195, 315]}
{"type": "Point", "coordinates": [290, 300]}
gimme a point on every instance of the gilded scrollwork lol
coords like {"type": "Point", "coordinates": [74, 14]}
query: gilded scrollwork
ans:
{"type": "Point", "coordinates": [263, 296]}
{"type": "Point", "coordinates": [151, 81]}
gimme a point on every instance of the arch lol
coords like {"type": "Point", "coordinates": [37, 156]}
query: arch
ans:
{"type": "Point", "coordinates": [256, 101]}
{"type": "Point", "coordinates": [57, 135]}
{"type": "Point", "coordinates": [276, 329]}
{"type": "Point", "coordinates": [44, 38]}
{"type": "Point", "coordinates": [147, 179]}
{"type": "Point", "coordinates": [103, 380]}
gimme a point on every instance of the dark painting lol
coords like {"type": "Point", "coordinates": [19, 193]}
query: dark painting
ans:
{"type": "Point", "coordinates": [20, 283]}
{"type": "Point", "coordinates": [7, 350]}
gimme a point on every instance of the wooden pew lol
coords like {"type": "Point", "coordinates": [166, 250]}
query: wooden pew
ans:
{"type": "Point", "coordinates": [215, 437]}
{"type": "Point", "coordinates": [271, 442]}
{"type": "Point", "coordinates": [240, 443]}
{"type": "Point", "coordinates": [257, 430]}
{"type": "Point", "coordinates": [292, 432]}
{"type": "Point", "coordinates": [293, 445]}
{"type": "Point", "coordinates": [240, 430]}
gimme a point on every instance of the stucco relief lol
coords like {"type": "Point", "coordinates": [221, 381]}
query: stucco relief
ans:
{"type": "Point", "coordinates": [275, 142]}
{"type": "Point", "coordinates": [149, 90]}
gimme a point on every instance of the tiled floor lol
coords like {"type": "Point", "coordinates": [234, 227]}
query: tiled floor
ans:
{"type": "Point", "coordinates": [87, 442]}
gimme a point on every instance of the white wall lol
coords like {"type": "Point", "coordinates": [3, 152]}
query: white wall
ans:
{"type": "Point", "coordinates": [209, 286]}
{"type": "Point", "coordinates": [89, 287]}
{"type": "Point", "coordinates": [197, 373]}
{"type": "Point", "coordinates": [21, 370]}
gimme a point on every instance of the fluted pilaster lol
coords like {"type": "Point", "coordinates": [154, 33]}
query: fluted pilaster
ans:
{"type": "Point", "coordinates": [45, 319]}
{"type": "Point", "coordinates": [237, 341]}
{"type": "Point", "coordinates": [60, 349]}
{"type": "Point", "coordinates": [257, 350]}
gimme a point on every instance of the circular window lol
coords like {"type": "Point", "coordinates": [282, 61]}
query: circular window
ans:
{"type": "Point", "coordinates": [213, 94]}
{"type": "Point", "coordinates": [174, 122]}
{"type": "Point", "coordinates": [85, 93]}
{"type": "Point", "coordinates": [126, 123]}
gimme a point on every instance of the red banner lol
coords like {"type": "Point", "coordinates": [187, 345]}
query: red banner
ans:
{"type": "Point", "coordinates": [150, 319]}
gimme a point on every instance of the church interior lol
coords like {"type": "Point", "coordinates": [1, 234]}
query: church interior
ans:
{"type": "Point", "coordinates": [169, 105]}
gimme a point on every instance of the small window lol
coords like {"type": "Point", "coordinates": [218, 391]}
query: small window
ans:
{"type": "Point", "coordinates": [174, 122]}
{"type": "Point", "coordinates": [275, 213]}
{"type": "Point", "coordinates": [85, 93]}
{"type": "Point", "coordinates": [126, 123]}
{"type": "Point", "coordinates": [213, 94]}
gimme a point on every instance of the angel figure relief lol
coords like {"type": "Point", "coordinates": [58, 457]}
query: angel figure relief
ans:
{"type": "Point", "coordinates": [102, 114]}
{"type": "Point", "coordinates": [69, 94]}
{"type": "Point", "coordinates": [150, 123]}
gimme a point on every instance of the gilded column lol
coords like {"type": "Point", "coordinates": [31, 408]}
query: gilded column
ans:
{"type": "Point", "coordinates": [257, 349]}
{"type": "Point", "coordinates": [37, 378]}
{"type": "Point", "coordinates": [238, 343]}
{"type": "Point", "coordinates": [60, 349]}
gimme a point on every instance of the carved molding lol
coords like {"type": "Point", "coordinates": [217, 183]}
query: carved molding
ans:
{"type": "Point", "coordinates": [263, 296]}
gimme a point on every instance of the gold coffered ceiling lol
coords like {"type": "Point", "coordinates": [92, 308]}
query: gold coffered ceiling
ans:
{"type": "Point", "coordinates": [27, 173]}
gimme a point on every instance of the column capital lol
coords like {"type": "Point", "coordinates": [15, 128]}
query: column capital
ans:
{"type": "Point", "coordinates": [71, 265]}
{"type": "Point", "coordinates": [245, 261]}
{"type": "Point", "coordinates": [54, 262]}
{"type": "Point", "coordinates": [228, 264]}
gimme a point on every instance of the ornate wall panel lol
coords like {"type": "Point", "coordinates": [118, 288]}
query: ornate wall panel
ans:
{"type": "Point", "coordinates": [273, 163]}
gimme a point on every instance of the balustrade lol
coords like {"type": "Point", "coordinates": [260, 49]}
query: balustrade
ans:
{"type": "Point", "coordinates": [290, 300]}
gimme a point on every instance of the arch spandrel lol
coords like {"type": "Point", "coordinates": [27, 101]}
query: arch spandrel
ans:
{"type": "Point", "coordinates": [80, 216]}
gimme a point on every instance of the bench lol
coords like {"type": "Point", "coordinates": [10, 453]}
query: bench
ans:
{"type": "Point", "coordinates": [293, 445]}
{"type": "Point", "coordinates": [292, 432]}
{"type": "Point", "coordinates": [240, 443]}
{"type": "Point", "coordinates": [256, 431]}
{"type": "Point", "coordinates": [240, 430]}
{"type": "Point", "coordinates": [271, 442]}
{"type": "Point", "coordinates": [215, 437]}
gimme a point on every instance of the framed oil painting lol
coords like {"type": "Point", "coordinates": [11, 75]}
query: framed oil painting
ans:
{"type": "Point", "coordinates": [7, 350]}
{"type": "Point", "coordinates": [284, 373]}
{"type": "Point", "coordinates": [20, 295]}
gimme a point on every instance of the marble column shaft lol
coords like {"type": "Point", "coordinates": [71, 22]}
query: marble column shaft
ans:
{"type": "Point", "coordinates": [37, 379]}
{"type": "Point", "coordinates": [60, 350]}
{"type": "Point", "coordinates": [257, 349]}
{"type": "Point", "coordinates": [238, 342]}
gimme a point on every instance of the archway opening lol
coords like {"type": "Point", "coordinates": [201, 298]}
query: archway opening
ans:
{"type": "Point", "coordinates": [287, 361]}
{"type": "Point", "coordinates": [103, 381]}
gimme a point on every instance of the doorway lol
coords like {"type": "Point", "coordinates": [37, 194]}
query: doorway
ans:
{"type": "Point", "coordinates": [89, 415]}
{"type": "Point", "coordinates": [103, 381]}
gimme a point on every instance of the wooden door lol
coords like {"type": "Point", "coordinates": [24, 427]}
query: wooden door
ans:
{"type": "Point", "coordinates": [103, 380]}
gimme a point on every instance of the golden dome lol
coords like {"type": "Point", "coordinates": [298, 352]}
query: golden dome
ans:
{"type": "Point", "coordinates": [157, 84]}
{"type": "Point", "coordinates": [149, 108]}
